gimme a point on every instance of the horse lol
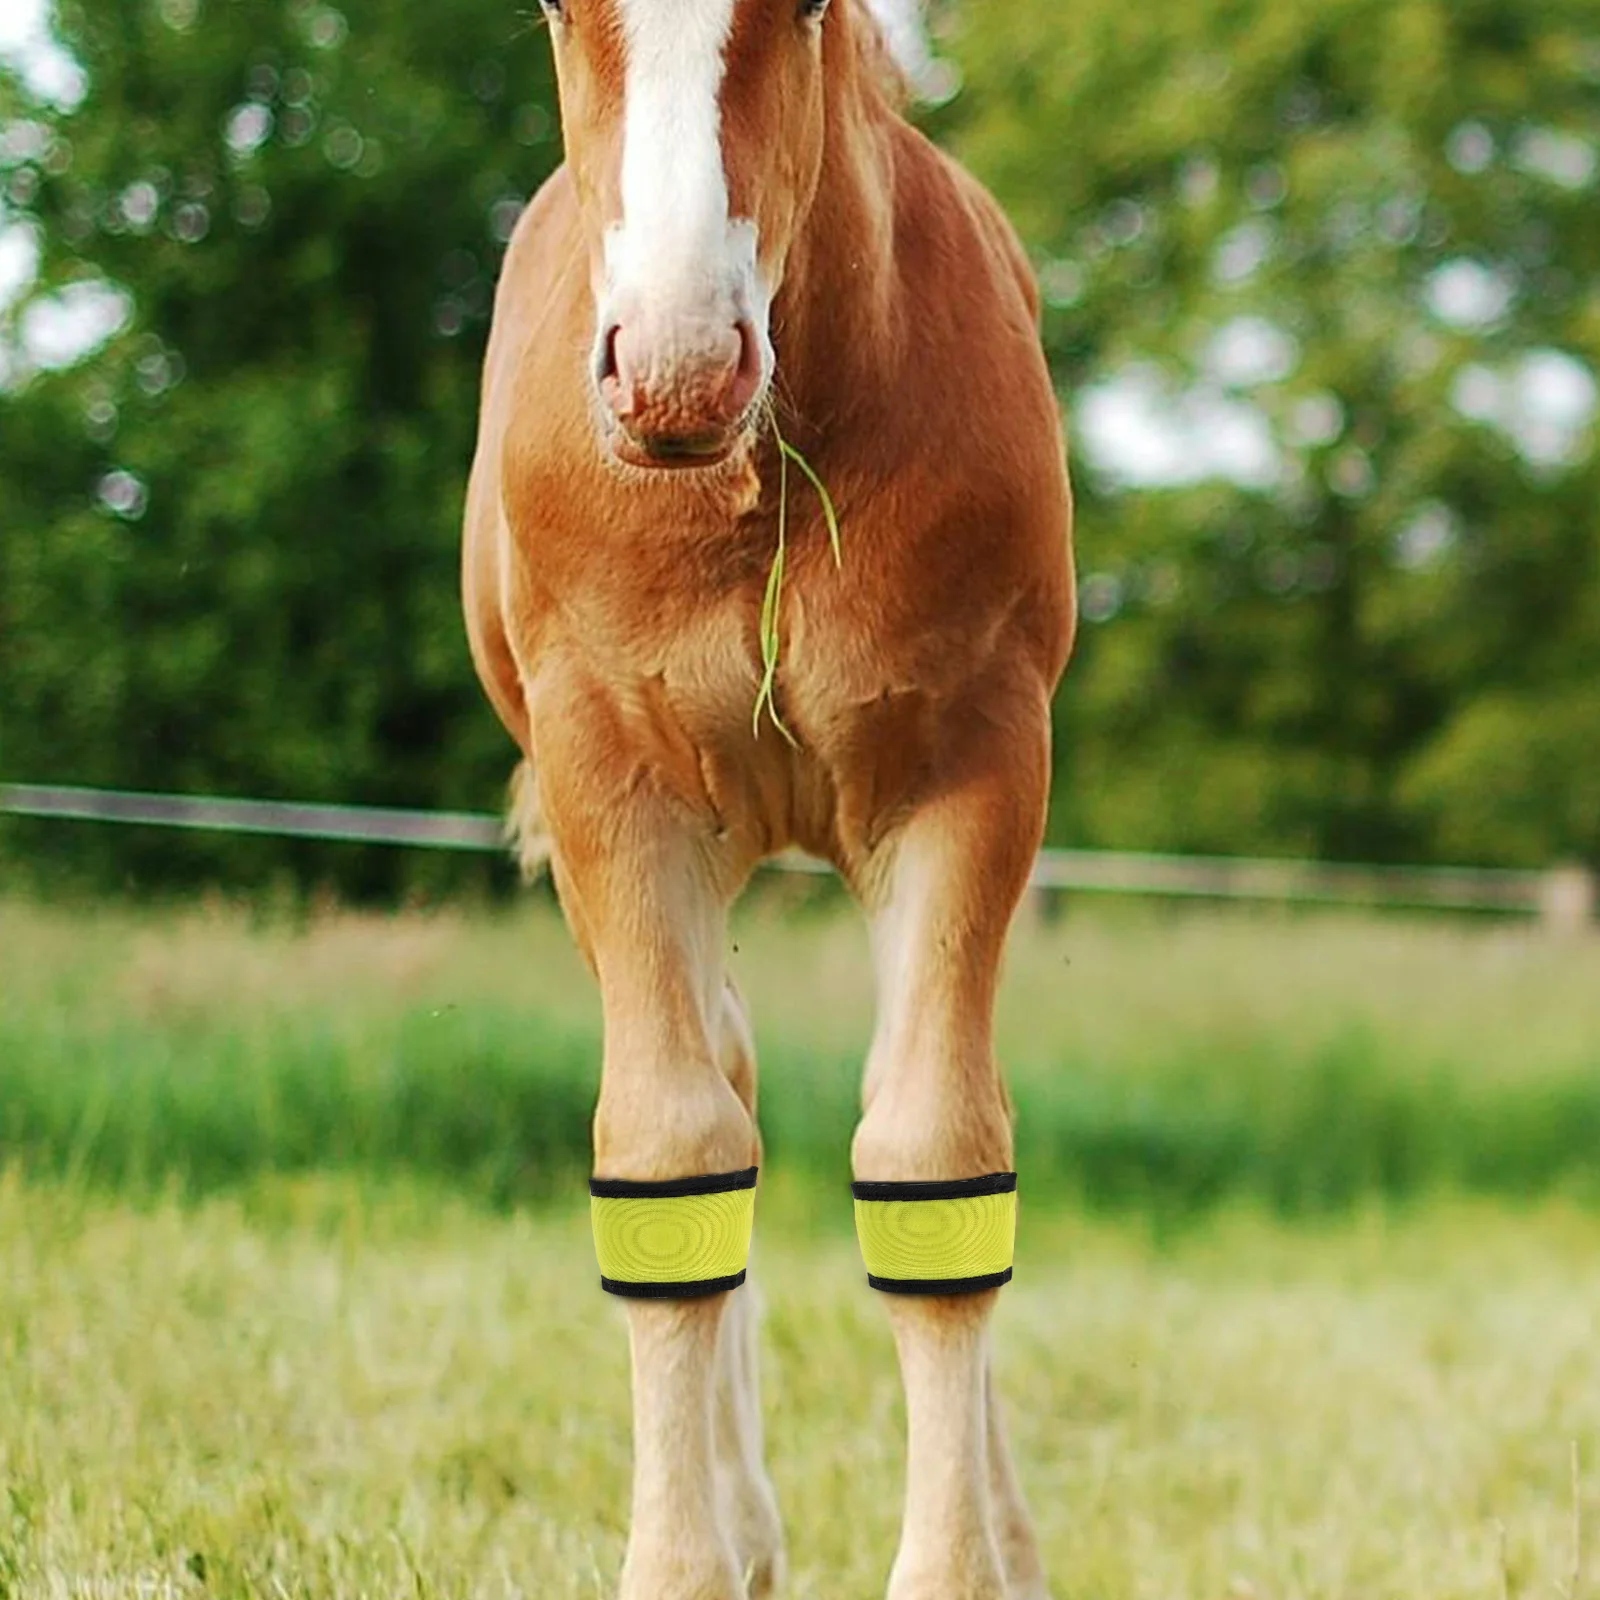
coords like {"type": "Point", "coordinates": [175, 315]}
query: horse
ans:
{"type": "Point", "coordinates": [768, 547]}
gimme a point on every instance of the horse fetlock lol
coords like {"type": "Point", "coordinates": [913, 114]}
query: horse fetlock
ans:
{"type": "Point", "coordinates": [948, 1588]}
{"type": "Point", "coordinates": [765, 1576]}
{"type": "Point", "coordinates": [1028, 1589]}
{"type": "Point", "coordinates": [750, 1513]}
{"type": "Point", "coordinates": [766, 1566]}
{"type": "Point", "coordinates": [656, 1573]}
{"type": "Point", "coordinates": [1019, 1549]}
{"type": "Point", "coordinates": [977, 1577]}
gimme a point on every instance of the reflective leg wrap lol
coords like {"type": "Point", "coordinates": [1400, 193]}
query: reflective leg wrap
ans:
{"type": "Point", "coordinates": [938, 1238]}
{"type": "Point", "coordinates": [675, 1240]}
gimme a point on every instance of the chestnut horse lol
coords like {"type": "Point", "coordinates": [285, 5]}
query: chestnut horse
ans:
{"type": "Point", "coordinates": [748, 243]}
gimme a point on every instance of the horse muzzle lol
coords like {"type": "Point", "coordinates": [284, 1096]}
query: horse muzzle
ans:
{"type": "Point", "coordinates": [681, 394]}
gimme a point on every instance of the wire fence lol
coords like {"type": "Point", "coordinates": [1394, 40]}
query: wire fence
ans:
{"type": "Point", "coordinates": [1563, 898]}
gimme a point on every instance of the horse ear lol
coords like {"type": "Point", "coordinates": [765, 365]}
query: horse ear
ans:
{"type": "Point", "coordinates": [905, 31]}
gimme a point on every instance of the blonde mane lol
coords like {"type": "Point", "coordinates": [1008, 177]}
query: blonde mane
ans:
{"type": "Point", "coordinates": [908, 58]}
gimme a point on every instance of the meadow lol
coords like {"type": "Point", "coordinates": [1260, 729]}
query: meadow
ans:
{"type": "Point", "coordinates": [313, 1391]}
{"type": "Point", "coordinates": [297, 1300]}
{"type": "Point", "coordinates": [1160, 1062]}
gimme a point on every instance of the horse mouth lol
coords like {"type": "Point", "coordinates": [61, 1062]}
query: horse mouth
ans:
{"type": "Point", "coordinates": [676, 449]}
{"type": "Point", "coordinates": [679, 452]}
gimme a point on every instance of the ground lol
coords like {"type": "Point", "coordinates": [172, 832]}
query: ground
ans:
{"type": "Point", "coordinates": [297, 1297]}
{"type": "Point", "coordinates": [324, 1387]}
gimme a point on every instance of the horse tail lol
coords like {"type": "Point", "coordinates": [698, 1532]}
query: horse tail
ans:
{"type": "Point", "coordinates": [525, 833]}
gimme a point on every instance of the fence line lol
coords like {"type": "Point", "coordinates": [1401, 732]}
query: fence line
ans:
{"type": "Point", "coordinates": [430, 830]}
{"type": "Point", "coordinates": [1564, 898]}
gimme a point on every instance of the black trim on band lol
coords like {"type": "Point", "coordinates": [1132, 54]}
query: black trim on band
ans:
{"type": "Point", "coordinates": [673, 1188]}
{"type": "Point", "coordinates": [672, 1291]}
{"type": "Point", "coordinates": [960, 1189]}
{"type": "Point", "coordinates": [992, 1280]}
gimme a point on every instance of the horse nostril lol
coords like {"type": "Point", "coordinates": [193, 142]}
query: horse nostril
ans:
{"type": "Point", "coordinates": [605, 360]}
{"type": "Point", "coordinates": [749, 348]}
{"type": "Point", "coordinates": [747, 375]}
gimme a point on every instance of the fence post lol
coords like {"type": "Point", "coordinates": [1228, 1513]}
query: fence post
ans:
{"type": "Point", "coordinates": [1567, 901]}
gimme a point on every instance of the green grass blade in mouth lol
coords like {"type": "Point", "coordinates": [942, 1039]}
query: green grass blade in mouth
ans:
{"type": "Point", "coordinates": [829, 513]}
{"type": "Point", "coordinates": [772, 600]}
{"type": "Point", "coordinates": [771, 607]}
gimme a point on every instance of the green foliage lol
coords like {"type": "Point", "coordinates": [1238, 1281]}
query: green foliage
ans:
{"type": "Point", "coordinates": [1336, 1064]}
{"type": "Point", "coordinates": [1379, 648]}
{"type": "Point", "coordinates": [484, 1103]}
{"type": "Point", "coordinates": [307, 207]}
{"type": "Point", "coordinates": [497, 1106]}
{"type": "Point", "coordinates": [1514, 772]}
{"type": "Point", "coordinates": [1374, 642]}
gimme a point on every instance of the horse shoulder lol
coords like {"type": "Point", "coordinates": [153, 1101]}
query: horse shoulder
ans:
{"type": "Point", "coordinates": [544, 238]}
{"type": "Point", "coordinates": [1000, 238]}
{"type": "Point", "coordinates": [952, 471]}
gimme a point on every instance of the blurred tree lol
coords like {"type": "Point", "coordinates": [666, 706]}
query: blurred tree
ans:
{"type": "Point", "coordinates": [1343, 251]}
{"type": "Point", "coordinates": [228, 540]}
{"type": "Point", "coordinates": [1341, 598]}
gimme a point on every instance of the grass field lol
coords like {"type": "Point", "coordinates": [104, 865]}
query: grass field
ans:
{"type": "Point", "coordinates": [296, 1293]}
{"type": "Point", "coordinates": [1165, 1063]}
{"type": "Point", "coordinates": [308, 1390]}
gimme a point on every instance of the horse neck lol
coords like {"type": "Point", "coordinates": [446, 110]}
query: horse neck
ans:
{"type": "Point", "coordinates": [835, 318]}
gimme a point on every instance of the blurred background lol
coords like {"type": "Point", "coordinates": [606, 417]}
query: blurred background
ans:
{"type": "Point", "coordinates": [1323, 308]}
{"type": "Point", "coordinates": [1307, 1303]}
{"type": "Point", "coordinates": [1321, 305]}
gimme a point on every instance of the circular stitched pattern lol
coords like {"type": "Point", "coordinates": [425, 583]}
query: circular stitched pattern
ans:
{"type": "Point", "coordinates": [684, 1239]}
{"type": "Point", "coordinates": [937, 1239]}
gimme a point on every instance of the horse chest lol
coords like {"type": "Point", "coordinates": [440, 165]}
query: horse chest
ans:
{"type": "Point", "coordinates": [656, 627]}
{"type": "Point", "coordinates": [703, 628]}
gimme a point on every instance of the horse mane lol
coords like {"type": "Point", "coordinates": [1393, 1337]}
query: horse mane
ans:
{"type": "Point", "coordinates": [897, 45]}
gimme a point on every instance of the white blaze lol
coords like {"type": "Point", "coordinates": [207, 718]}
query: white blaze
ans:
{"type": "Point", "coordinates": [677, 245]}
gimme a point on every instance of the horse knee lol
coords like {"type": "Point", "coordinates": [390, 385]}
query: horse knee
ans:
{"type": "Point", "coordinates": [666, 1124]}
{"type": "Point", "coordinates": [924, 1126]}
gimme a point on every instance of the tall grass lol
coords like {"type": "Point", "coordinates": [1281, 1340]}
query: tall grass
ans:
{"type": "Point", "coordinates": [1163, 1062]}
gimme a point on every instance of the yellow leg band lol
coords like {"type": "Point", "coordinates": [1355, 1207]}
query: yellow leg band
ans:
{"type": "Point", "coordinates": [938, 1238]}
{"type": "Point", "coordinates": [676, 1240]}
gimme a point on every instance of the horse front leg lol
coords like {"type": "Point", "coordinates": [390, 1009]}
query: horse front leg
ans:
{"type": "Point", "coordinates": [669, 1125]}
{"type": "Point", "coordinates": [674, 1145]}
{"type": "Point", "coordinates": [1019, 1545]}
{"type": "Point", "coordinates": [750, 1507]}
{"type": "Point", "coordinates": [933, 1156]}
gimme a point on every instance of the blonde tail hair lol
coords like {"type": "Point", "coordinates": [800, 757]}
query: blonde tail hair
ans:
{"type": "Point", "coordinates": [525, 834]}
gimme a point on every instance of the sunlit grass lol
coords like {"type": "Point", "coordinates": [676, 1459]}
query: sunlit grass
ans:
{"type": "Point", "coordinates": [305, 1390]}
{"type": "Point", "coordinates": [265, 1329]}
